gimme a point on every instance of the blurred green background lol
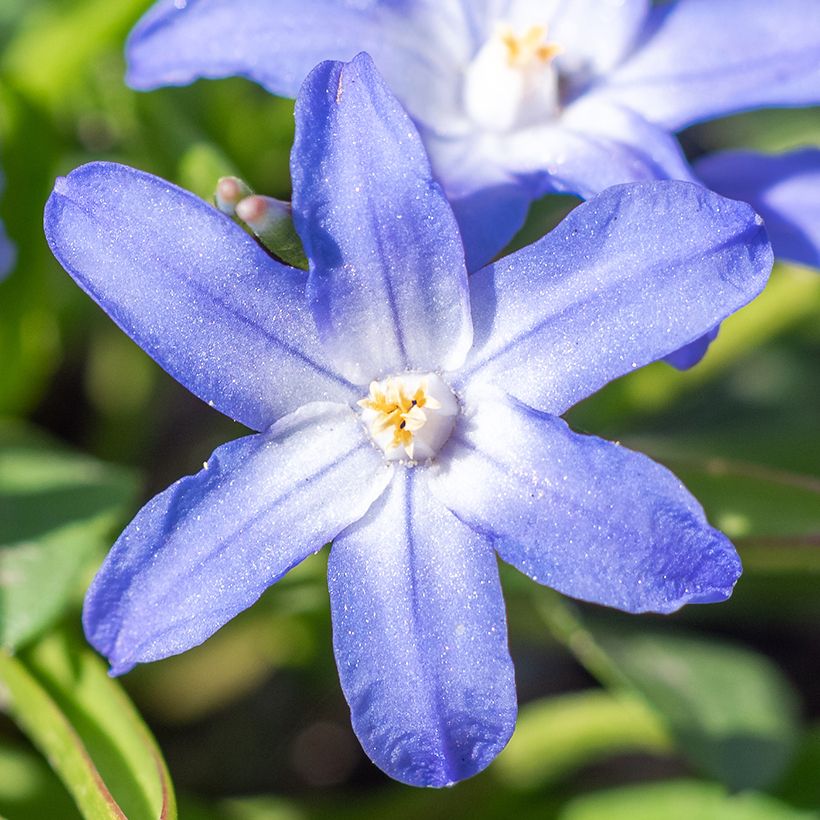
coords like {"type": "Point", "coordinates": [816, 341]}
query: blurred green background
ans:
{"type": "Point", "coordinates": [712, 712]}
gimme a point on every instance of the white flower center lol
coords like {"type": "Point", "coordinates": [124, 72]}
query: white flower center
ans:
{"type": "Point", "coordinates": [410, 416]}
{"type": "Point", "coordinates": [512, 82]}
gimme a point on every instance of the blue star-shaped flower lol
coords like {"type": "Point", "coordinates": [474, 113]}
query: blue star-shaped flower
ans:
{"type": "Point", "coordinates": [406, 413]}
{"type": "Point", "coordinates": [516, 98]}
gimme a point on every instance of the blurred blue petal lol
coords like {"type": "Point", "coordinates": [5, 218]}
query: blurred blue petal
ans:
{"type": "Point", "coordinates": [8, 253]}
{"type": "Point", "coordinates": [582, 515]}
{"type": "Point", "coordinates": [193, 290]}
{"type": "Point", "coordinates": [625, 279]}
{"type": "Point", "coordinates": [420, 638]}
{"type": "Point", "coordinates": [689, 355]}
{"type": "Point", "coordinates": [205, 549]}
{"type": "Point", "coordinates": [784, 189]}
{"type": "Point", "coordinates": [599, 146]}
{"type": "Point", "coordinates": [175, 43]}
{"type": "Point", "coordinates": [624, 75]}
{"type": "Point", "coordinates": [387, 281]}
{"type": "Point", "coordinates": [419, 44]}
{"type": "Point", "coordinates": [702, 59]}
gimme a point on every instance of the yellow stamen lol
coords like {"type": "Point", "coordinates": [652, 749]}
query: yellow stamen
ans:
{"type": "Point", "coordinates": [397, 410]}
{"type": "Point", "coordinates": [530, 48]}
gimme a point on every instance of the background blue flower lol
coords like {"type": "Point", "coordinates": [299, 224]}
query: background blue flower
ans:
{"type": "Point", "coordinates": [518, 98]}
{"type": "Point", "coordinates": [419, 628]}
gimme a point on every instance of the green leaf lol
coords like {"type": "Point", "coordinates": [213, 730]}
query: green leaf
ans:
{"type": "Point", "coordinates": [679, 800]}
{"type": "Point", "coordinates": [56, 510]}
{"type": "Point", "coordinates": [81, 720]}
{"type": "Point", "coordinates": [28, 788]}
{"type": "Point", "coordinates": [557, 735]}
{"type": "Point", "coordinates": [730, 710]}
{"type": "Point", "coordinates": [801, 786]}
{"type": "Point", "coordinates": [56, 44]}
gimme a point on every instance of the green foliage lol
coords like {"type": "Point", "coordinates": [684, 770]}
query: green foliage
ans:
{"type": "Point", "coordinates": [557, 735]}
{"type": "Point", "coordinates": [682, 800]}
{"type": "Point", "coordinates": [730, 710]}
{"type": "Point", "coordinates": [81, 720]}
{"type": "Point", "coordinates": [57, 509]}
{"type": "Point", "coordinates": [29, 790]}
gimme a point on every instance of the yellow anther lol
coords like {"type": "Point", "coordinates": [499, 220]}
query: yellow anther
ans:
{"type": "Point", "coordinates": [395, 408]}
{"type": "Point", "coordinates": [530, 48]}
{"type": "Point", "coordinates": [405, 419]}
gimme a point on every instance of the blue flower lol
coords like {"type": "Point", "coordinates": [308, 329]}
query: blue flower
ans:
{"type": "Point", "coordinates": [406, 413]}
{"type": "Point", "coordinates": [513, 98]}
{"type": "Point", "coordinates": [784, 189]}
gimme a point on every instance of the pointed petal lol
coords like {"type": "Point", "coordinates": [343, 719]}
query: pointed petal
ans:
{"type": "Point", "coordinates": [206, 548]}
{"type": "Point", "coordinates": [420, 47]}
{"type": "Point", "coordinates": [489, 201]}
{"type": "Point", "coordinates": [492, 180]}
{"type": "Point", "coordinates": [587, 517]}
{"type": "Point", "coordinates": [193, 290]}
{"type": "Point", "coordinates": [597, 145]}
{"type": "Point", "coordinates": [707, 58]}
{"type": "Point", "coordinates": [783, 189]}
{"type": "Point", "coordinates": [387, 282]}
{"type": "Point", "coordinates": [420, 638]}
{"type": "Point", "coordinates": [274, 42]}
{"type": "Point", "coordinates": [627, 278]}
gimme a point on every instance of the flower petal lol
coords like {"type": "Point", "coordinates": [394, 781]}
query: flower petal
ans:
{"type": "Point", "coordinates": [208, 547]}
{"type": "Point", "coordinates": [420, 638]}
{"type": "Point", "coordinates": [274, 43]}
{"type": "Point", "coordinates": [689, 355]}
{"type": "Point", "coordinates": [420, 46]}
{"type": "Point", "coordinates": [490, 202]}
{"type": "Point", "coordinates": [193, 290]}
{"type": "Point", "coordinates": [627, 278]}
{"type": "Point", "coordinates": [587, 517]}
{"type": "Point", "coordinates": [706, 58]}
{"type": "Point", "coordinates": [783, 189]}
{"type": "Point", "coordinates": [387, 281]}
{"type": "Point", "coordinates": [594, 146]}
{"type": "Point", "coordinates": [8, 253]}
{"type": "Point", "coordinates": [491, 179]}
{"type": "Point", "coordinates": [593, 34]}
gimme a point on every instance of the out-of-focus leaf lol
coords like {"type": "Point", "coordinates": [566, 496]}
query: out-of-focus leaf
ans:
{"type": "Point", "coordinates": [29, 331]}
{"type": "Point", "coordinates": [772, 130]}
{"type": "Point", "coordinates": [262, 808]}
{"type": "Point", "coordinates": [56, 44]}
{"type": "Point", "coordinates": [60, 695]}
{"type": "Point", "coordinates": [543, 216]}
{"type": "Point", "coordinates": [201, 166]}
{"type": "Point", "coordinates": [56, 509]}
{"type": "Point", "coordinates": [801, 785]}
{"type": "Point", "coordinates": [556, 735]}
{"type": "Point", "coordinates": [233, 662]}
{"type": "Point", "coordinates": [731, 711]}
{"type": "Point", "coordinates": [679, 800]}
{"type": "Point", "coordinates": [28, 788]}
